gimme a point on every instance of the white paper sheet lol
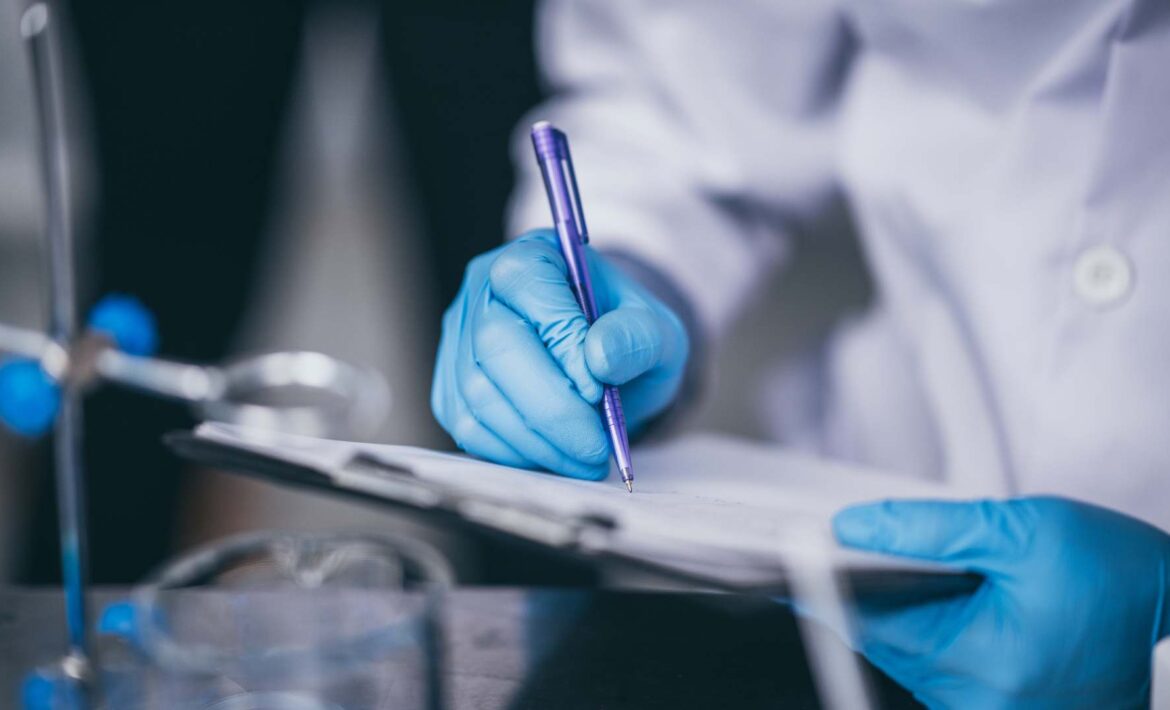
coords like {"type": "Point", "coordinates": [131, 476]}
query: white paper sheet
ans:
{"type": "Point", "coordinates": [700, 502]}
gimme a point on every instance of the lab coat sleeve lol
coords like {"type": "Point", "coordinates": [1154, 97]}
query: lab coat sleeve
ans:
{"type": "Point", "coordinates": [701, 133]}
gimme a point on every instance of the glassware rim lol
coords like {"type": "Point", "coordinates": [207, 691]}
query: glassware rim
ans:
{"type": "Point", "coordinates": [202, 560]}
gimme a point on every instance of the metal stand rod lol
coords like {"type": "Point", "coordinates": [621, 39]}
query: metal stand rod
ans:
{"type": "Point", "coordinates": [838, 674]}
{"type": "Point", "coordinates": [36, 27]}
{"type": "Point", "coordinates": [434, 657]}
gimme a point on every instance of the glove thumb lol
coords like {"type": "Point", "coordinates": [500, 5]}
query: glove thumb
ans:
{"type": "Point", "coordinates": [977, 534]}
{"type": "Point", "coordinates": [624, 344]}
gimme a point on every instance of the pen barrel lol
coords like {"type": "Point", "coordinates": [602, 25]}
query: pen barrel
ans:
{"type": "Point", "coordinates": [560, 178]}
{"type": "Point", "coordinates": [549, 142]}
{"type": "Point", "coordinates": [560, 183]}
{"type": "Point", "coordinates": [615, 424]}
{"type": "Point", "coordinates": [578, 268]}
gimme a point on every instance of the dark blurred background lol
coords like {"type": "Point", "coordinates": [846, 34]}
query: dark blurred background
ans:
{"type": "Point", "coordinates": [296, 175]}
{"type": "Point", "coordinates": [204, 121]}
{"type": "Point", "coordinates": [315, 175]}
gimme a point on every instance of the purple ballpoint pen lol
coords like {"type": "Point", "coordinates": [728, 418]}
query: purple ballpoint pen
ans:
{"type": "Point", "coordinates": [560, 182]}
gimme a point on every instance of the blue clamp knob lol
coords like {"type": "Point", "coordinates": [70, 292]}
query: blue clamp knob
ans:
{"type": "Point", "coordinates": [119, 619]}
{"type": "Point", "coordinates": [47, 690]}
{"type": "Point", "coordinates": [127, 323]}
{"type": "Point", "coordinates": [29, 398]}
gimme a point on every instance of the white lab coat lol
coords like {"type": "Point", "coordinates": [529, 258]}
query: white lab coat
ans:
{"type": "Point", "coordinates": [1008, 166]}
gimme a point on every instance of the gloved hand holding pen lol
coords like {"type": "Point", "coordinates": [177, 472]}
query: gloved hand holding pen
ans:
{"type": "Point", "coordinates": [519, 371]}
{"type": "Point", "coordinates": [1074, 601]}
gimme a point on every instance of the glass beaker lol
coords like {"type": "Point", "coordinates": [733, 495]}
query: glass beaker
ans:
{"type": "Point", "coordinates": [283, 621]}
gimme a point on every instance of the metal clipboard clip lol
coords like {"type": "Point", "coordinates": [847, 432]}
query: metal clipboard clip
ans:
{"type": "Point", "coordinates": [387, 482]}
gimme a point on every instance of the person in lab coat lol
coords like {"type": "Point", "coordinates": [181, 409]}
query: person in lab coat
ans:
{"type": "Point", "coordinates": [1008, 166]}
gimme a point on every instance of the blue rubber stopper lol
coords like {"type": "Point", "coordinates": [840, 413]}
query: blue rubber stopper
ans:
{"type": "Point", "coordinates": [29, 398]}
{"type": "Point", "coordinates": [119, 619]}
{"type": "Point", "coordinates": [43, 690]}
{"type": "Point", "coordinates": [127, 322]}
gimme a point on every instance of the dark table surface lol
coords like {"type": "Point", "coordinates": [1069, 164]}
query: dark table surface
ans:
{"type": "Point", "coordinates": [507, 648]}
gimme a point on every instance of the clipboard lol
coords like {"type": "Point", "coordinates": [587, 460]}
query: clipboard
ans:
{"type": "Point", "coordinates": [591, 537]}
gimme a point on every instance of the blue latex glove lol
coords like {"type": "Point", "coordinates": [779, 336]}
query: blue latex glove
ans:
{"type": "Point", "coordinates": [519, 372]}
{"type": "Point", "coordinates": [1072, 606]}
{"type": "Point", "coordinates": [29, 397]}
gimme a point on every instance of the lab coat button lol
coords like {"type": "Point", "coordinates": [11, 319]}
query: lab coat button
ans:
{"type": "Point", "coordinates": [1103, 276]}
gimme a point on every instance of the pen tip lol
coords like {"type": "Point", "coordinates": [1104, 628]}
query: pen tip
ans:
{"type": "Point", "coordinates": [628, 478]}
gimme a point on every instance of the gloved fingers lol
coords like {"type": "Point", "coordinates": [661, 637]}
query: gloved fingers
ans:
{"type": "Point", "coordinates": [529, 277]}
{"type": "Point", "coordinates": [928, 648]}
{"type": "Point", "coordinates": [513, 357]}
{"type": "Point", "coordinates": [476, 439]}
{"type": "Point", "coordinates": [917, 630]}
{"type": "Point", "coordinates": [458, 377]}
{"type": "Point", "coordinates": [986, 535]}
{"type": "Point", "coordinates": [905, 670]}
{"type": "Point", "coordinates": [472, 437]}
{"type": "Point", "coordinates": [489, 406]}
{"type": "Point", "coordinates": [920, 646]}
{"type": "Point", "coordinates": [448, 406]}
